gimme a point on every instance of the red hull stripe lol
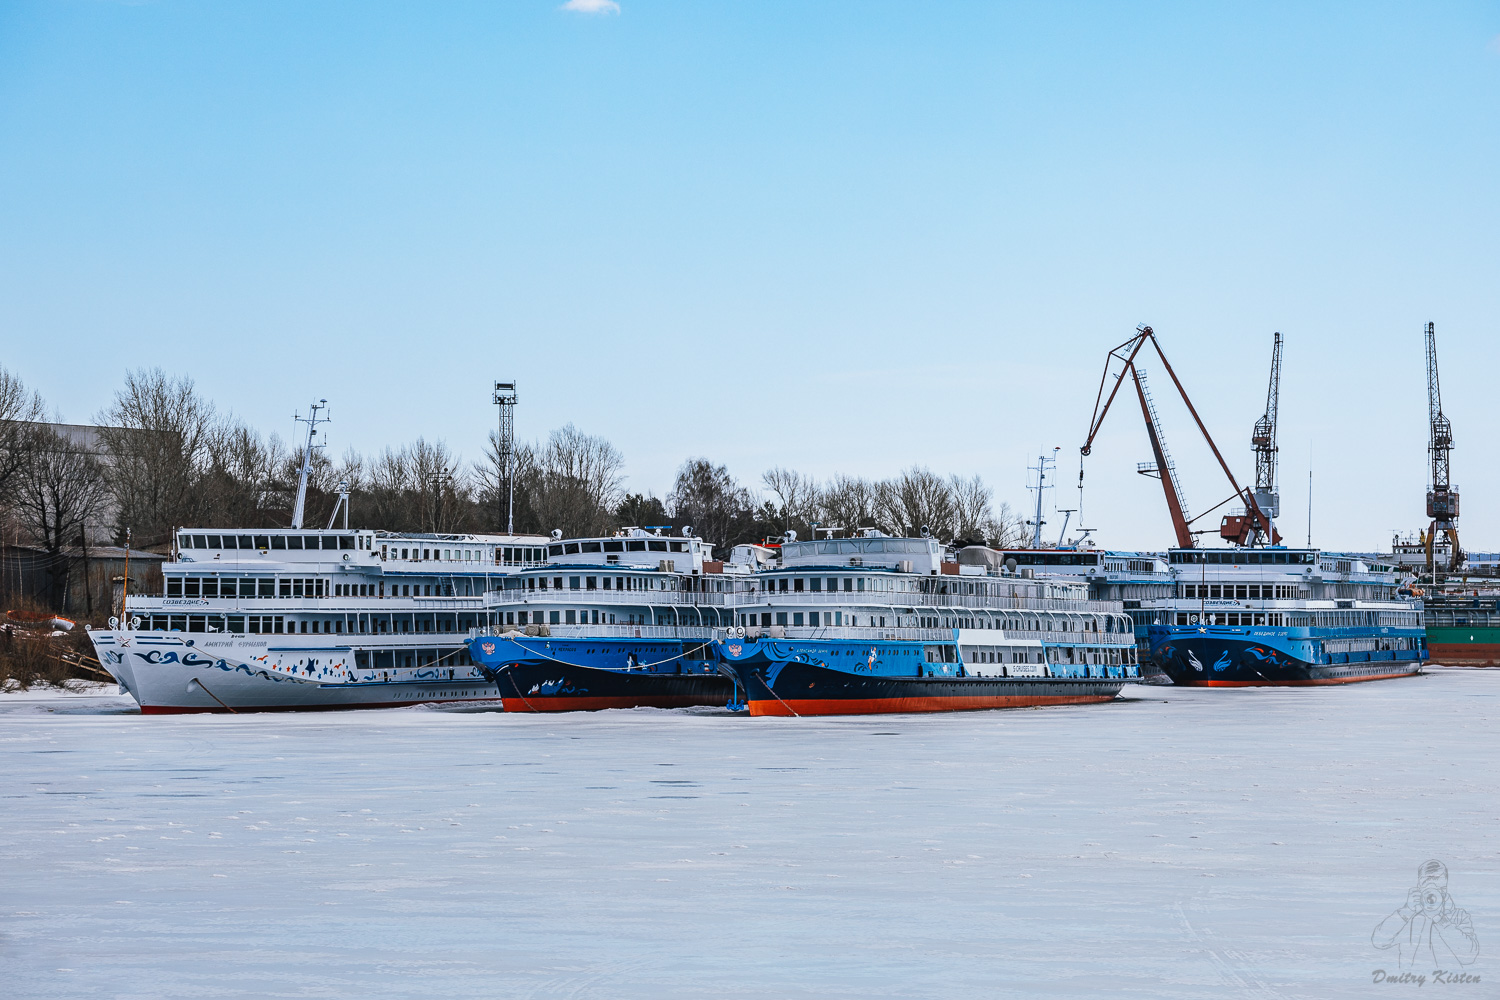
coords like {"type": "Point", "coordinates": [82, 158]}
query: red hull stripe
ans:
{"type": "Point", "coordinates": [1307, 683]}
{"type": "Point", "coordinates": [570, 704]}
{"type": "Point", "coordinates": [181, 710]}
{"type": "Point", "coordinates": [1465, 654]}
{"type": "Point", "coordinates": [881, 706]}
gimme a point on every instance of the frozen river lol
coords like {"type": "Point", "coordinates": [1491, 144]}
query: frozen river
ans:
{"type": "Point", "coordinates": [1176, 843]}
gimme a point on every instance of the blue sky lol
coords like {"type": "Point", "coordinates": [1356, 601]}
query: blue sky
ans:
{"type": "Point", "coordinates": [833, 236]}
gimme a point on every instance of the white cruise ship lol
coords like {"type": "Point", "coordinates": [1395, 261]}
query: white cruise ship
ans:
{"type": "Point", "coordinates": [295, 618]}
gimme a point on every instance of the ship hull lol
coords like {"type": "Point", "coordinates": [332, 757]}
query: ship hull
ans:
{"type": "Point", "coordinates": [588, 674]}
{"type": "Point", "coordinates": [1199, 659]}
{"type": "Point", "coordinates": [173, 673]}
{"type": "Point", "coordinates": [549, 687]}
{"type": "Point", "coordinates": [1460, 646]}
{"type": "Point", "coordinates": [798, 689]}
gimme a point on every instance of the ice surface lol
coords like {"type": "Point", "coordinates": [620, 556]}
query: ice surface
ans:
{"type": "Point", "coordinates": [1178, 843]}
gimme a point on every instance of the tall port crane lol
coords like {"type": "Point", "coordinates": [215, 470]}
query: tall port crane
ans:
{"type": "Point", "coordinates": [1121, 362]}
{"type": "Point", "coordinates": [1263, 440]}
{"type": "Point", "coordinates": [1442, 496]}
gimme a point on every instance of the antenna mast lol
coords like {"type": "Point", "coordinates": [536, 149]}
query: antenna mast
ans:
{"type": "Point", "coordinates": [505, 450]}
{"type": "Point", "coordinates": [1442, 496]}
{"type": "Point", "coordinates": [312, 420]}
{"type": "Point", "coordinates": [1041, 484]}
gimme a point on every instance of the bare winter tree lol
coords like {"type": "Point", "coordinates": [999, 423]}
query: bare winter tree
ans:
{"type": "Point", "coordinates": [850, 503]}
{"type": "Point", "coordinates": [973, 520]}
{"type": "Point", "coordinates": [707, 497]}
{"type": "Point", "coordinates": [573, 483]}
{"type": "Point", "coordinates": [59, 487]}
{"type": "Point", "coordinates": [918, 499]}
{"type": "Point", "coordinates": [794, 501]}
{"type": "Point", "coordinates": [19, 408]}
{"type": "Point", "coordinates": [244, 479]}
{"type": "Point", "coordinates": [1010, 529]}
{"type": "Point", "coordinates": [157, 432]}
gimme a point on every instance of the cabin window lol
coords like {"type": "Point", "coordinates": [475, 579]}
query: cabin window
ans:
{"type": "Point", "coordinates": [294, 541]}
{"type": "Point", "coordinates": [210, 587]}
{"type": "Point", "coordinates": [190, 587]}
{"type": "Point", "coordinates": [797, 584]}
{"type": "Point", "coordinates": [816, 584]}
{"type": "Point", "coordinates": [592, 583]}
{"type": "Point", "coordinates": [215, 542]}
{"type": "Point", "coordinates": [174, 586]}
{"type": "Point", "coordinates": [573, 583]}
{"type": "Point", "coordinates": [848, 584]}
{"type": "Point", "coordinates": [656, 546]}
{"type": "Point", "coordinates": [797, 618]}
{"type": "Point", "coordinates": [812, 618]}
{"type": "Point", "coordinates": [278, 541]}
{"type": "Point", "coordinates": [590, 547]}
{"type": "Point", "coordinates": [783, 589]}
{"type": "Point", "coordinates": [781, 618]}
{"type": "Point", "coordinates": [635, 546]}
{"type": "Point", "coordinates": [614, 546]}
{"type": "Point", "coordinates": [861, 584]}
{"type": "Point", "coordinates": [679, 546]}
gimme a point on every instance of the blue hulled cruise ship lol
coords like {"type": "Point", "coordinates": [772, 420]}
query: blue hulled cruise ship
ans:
{"type": "Point", "coordinates": [1279, 616]}
{"type": "Point", "coordinates": [805, 627]}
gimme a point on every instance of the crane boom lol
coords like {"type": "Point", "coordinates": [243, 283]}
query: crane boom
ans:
{"type": "Point", "coordinates": [1442, 497]}
{"type": "Point", "coordinates": [1263, 440]}
{"type": "Point", "coordinates": [1124, 356]}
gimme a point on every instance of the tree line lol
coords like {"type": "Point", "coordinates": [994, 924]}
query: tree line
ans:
{"type": "Point", "coordinates": [163, 457]}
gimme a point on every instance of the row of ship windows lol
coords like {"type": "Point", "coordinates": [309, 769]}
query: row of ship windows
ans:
{"type": "Point", "coordinates": [268, 542]}
{"type": "Point", "coordinates": [641, 545]}
{"type": "Point", "coordinates": [1242, 592]}
{"type": "Point", "coordinates": [392, 552]}
{"type": "Point", "coordinates": [267, 586]}
{"type": "Point", "coordinates": [1368, 645]}
{"type": "Point", "coordinates": [590, 583]}
{"type": "Point", "coordinates": [1058, 654]}
{"type": "Point", "coordinates": [1238, 558]}
{"type": "Point", "coordinates": [280, 625]}
{"type": "Point", "coordinates": [1319, 619]}
{"type": "Point", "coordinates": [1236, 619]}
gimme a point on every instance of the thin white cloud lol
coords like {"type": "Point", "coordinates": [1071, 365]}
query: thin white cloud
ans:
{"type": "Point", "coordinates": [592, 6]}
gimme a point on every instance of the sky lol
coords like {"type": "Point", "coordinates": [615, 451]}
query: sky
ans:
{"type": "Point", "coordinates": [842, 237]}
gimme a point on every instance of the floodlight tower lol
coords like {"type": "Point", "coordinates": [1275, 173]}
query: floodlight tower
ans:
{"type": "Point", "coordinates": [505, 450]}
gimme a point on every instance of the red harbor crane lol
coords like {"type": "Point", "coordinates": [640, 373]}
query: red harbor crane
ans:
{"type": "Point", "coordinates": [1254, 524]}
{"type": "Point", "coordinates": [1442, 495]}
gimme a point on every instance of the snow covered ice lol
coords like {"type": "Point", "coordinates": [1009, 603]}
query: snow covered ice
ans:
{"type": "Point", "coordinates": [1177, 843]}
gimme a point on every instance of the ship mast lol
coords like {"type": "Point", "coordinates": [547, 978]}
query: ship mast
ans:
{"type": "Point", "coordinates": [312, 420]}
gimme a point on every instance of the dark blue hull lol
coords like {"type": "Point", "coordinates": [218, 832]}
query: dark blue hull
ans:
{"type": "Point", "coordinates": [1225, 657]}
{"type": "Point", "coordinates": [589, 674]}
